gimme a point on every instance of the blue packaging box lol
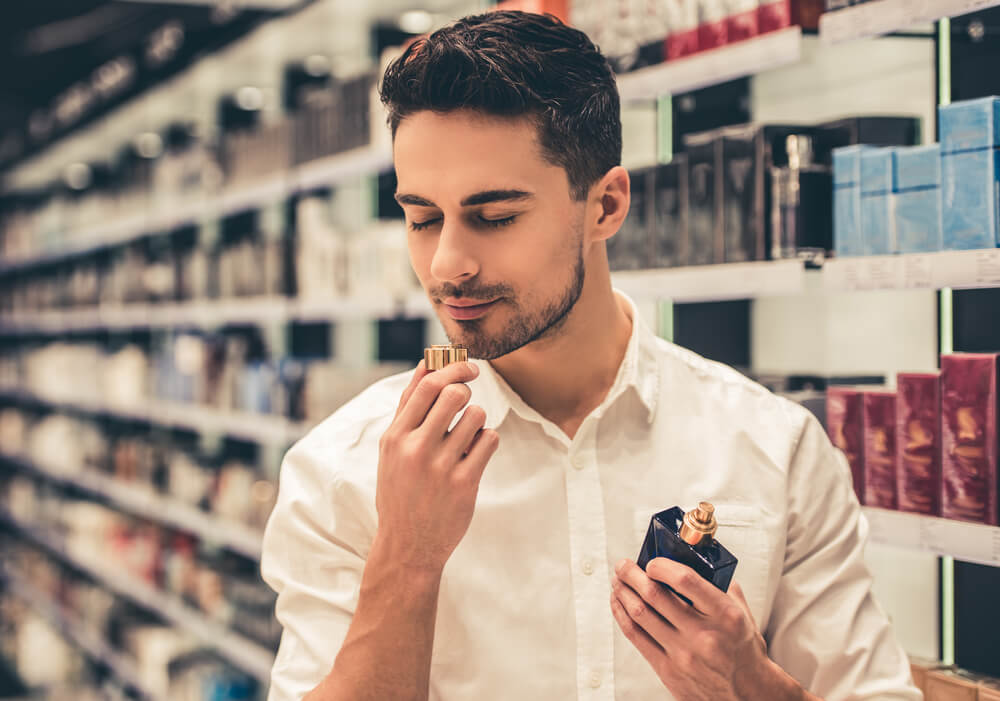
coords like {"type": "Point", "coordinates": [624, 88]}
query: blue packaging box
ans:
{"type": "Point", "coordinates": [877, 225]}
{"type": "Point", "coordinates": [847, 240]}
{"type": "Point", "coordinates": [916, 176]}
{"type": "Point", "coordinates": [970, 193]}
{"type": "Point", "coordinates": [970, 125]}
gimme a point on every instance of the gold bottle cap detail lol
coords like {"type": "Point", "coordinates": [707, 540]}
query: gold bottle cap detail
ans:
{"type": "Point", "coordinates": [699, 524]}
{"type": "Point", "coordinates": [437, 357]}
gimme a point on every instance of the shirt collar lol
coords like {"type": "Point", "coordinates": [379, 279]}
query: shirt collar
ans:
{"type": "Point", "coordinates": [639, 372]}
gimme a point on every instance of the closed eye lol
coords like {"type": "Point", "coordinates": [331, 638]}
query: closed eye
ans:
{"type": "Point", "coordinates": [496, 223]}
{"type": "Point", "coordinates": [421, 225]}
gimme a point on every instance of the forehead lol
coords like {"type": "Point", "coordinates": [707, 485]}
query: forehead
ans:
{"type": "Point", "coordinates": [458, 152]}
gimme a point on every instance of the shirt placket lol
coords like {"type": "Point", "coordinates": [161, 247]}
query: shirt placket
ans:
{"type": "Point", "coordinates": [590, 575]}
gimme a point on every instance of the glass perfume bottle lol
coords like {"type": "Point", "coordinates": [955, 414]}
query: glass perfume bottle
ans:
{"type": "Point", "coordinates": [689, 538]}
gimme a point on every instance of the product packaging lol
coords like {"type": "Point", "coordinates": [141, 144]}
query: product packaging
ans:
{"type": "Point", "coordinates": [845, 426]}
{"type": "Point", "coordinates": [705, 230]}
{"type": "Point", "coordinates": [682, 21]}
{"type": "Point", "coordinates": [877, 225]}
{"type": "Point", "coordinates": [918, 442]}
{"type": "Point", "coordinates": [670, 213]}
{"type": "Point", "coordinates": [969, 436]}
{"type": "Point", "coordinates": [917, 193]}
{"type": "Point", "coordinates": [970, 139]}
{"type": "Point", "coordinates": [801, 214]}
{"type": "Point", "coordinates": [629, 248]}
{"type": "Point", "coordinates": [880, 449]}
{"type": "Point", "coordinates": [713, 25]}
{"type": "Point", "coordinates": [847, 236]}
{"type": "Point", "coordinates": [951, 685]}
{"type": "Point", "coordinates": [743, 21]}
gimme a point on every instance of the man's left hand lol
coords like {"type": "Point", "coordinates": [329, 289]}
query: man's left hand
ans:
{"type": "Point", "coordinates": [710, 649]}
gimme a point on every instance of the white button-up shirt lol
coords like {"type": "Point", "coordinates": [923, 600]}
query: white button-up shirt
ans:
{"type": "Point", "coordinates": [523, 610]}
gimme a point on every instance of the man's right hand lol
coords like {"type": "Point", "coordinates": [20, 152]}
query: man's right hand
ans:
{"type": "Point", "coordinates": [428, 476]}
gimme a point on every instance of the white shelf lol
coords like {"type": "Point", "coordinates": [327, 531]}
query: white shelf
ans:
{"type": "Point", "coordinates": [873, 19]}
{"type": "Point", "coordinates": [260, 428]}
{"type": "Point", "coordinates": [248, 655]}
{"type": "Point", "coordinates": [164, 217]}
{"type": "Point", "coordinates": [969, 542]}
{"type": "Point", "coordinates": [700, 70]}
{"type": "Point", "coordinates": [146, 503]}
{"type": "Point", "coordinates": [93, 645]}
{"type": "Point", "coordinates": [714, 282]}
{"type": "Point", "coordinates": [914, 271]}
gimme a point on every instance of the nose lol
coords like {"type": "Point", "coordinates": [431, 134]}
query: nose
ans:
{"type": "Point", "coordinates": [454, 258]}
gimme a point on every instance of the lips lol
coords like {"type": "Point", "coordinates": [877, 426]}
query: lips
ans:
{"type": "Point", "coordinates": [463, 310]}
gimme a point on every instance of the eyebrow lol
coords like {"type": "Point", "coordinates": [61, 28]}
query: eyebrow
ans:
{"type": "Point", "coordinates": [485, 197]}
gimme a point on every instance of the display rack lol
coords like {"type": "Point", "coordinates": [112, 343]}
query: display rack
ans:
{"type": "Point", "coordinates": [872, 19]}
{"type": "Point", "coordinates": [245, 654]}
{"type": "Point", "coordinates": [714, 282]}
{"type": "Point", "coordinates": [969, 542]}
{"type": "Point", "coordinates": [76, 632]}
{"type": "Point", "coordinates": [911, 271]}
{"type": "Point", "coordinates": [146, 503]}
{"type": "Point", "coordinates": [260, 428]}
{"type": "Point", "coordinates": [743, 58]}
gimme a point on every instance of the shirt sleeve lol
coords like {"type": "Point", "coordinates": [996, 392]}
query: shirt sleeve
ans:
{"type": "Point", "coordinates": [826, 629]}
{"type": "Point", "coordinates": [314, 550]}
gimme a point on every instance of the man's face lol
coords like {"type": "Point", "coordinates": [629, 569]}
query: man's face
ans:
{"type": "Point", "coordinates": [494, 235]}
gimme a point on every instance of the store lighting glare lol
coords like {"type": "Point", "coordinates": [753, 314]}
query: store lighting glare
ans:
{"type": "Point", "coordinates": [249, 98]}
{"type": "Point", "coordinates": [416, 21]}
{"type": "Point", "coordinates": [149, 144]}
{"type": "Point", "coordinates": [77, 176]}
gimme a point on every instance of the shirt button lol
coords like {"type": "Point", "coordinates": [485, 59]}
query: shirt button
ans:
{"type": "Point", "coordinates": [595, 680]}
{"type": "Point", "coordinates": [578, 463]}
{"type": "Point", "coordinates": [588, 567]}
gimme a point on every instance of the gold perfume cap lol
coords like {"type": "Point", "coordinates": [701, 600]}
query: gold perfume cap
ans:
{"type": "Point", "coordinates": [699, 524]}
{"type": "Point", "coordinates": [437, 357]}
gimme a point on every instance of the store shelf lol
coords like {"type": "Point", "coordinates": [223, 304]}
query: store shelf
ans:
{"type": "Point", "coordinates": [260, 428]}
{"type": "Point", "coordinates": [714, 282]}
{"type": "Point", "coordinates": [167, 216]}
{"type": "Point", "coordinates": [146, 503]}
{"type": "Point", "coordinates": [94, 646]}
{"type": "Point", "coordinates": [249, 656]}
{"type": "Point", "coordinates": [873, 19]}
{"type": "Point", "coordinates": [913, 271]}
{"type": "Point", "coordinates": [969, 542]}
{"type": "Point", "coordinates": [729, 62]}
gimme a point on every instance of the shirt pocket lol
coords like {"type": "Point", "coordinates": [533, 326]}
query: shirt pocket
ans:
{"type": "Point", "coordinates": [742, 532]}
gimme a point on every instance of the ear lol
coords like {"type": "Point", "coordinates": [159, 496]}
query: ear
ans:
{"type": "Point", "coordinates": [608, 203]}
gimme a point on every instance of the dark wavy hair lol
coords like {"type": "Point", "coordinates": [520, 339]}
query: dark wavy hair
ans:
{"type": "Point", "coordinates": [514, 64]}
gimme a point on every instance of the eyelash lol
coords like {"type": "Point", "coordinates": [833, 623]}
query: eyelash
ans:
{"type": "Point", "coordinates": [492, 223]}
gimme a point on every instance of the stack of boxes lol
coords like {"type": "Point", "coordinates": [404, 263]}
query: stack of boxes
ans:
{"type": "Point", "coordinates": [931, 446]}
{"type": "Point", "coordinates": [922, 199]}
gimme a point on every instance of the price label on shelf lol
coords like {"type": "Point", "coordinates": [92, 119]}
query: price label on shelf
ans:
{"type": "Point", "coordinates": [988, 267]}
{"type": "Point", "coordinates": [917, 272]}
{"type": "Point", "coordinates": [883, 273]}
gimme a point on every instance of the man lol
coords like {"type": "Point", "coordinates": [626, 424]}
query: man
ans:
{"type": "Point", "coordinates": [422, 551]}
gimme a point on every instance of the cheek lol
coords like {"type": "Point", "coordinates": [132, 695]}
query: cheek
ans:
{"type": "Point", "coordinates": [421, 250]}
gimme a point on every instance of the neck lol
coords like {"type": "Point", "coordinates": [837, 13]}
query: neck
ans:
{"type": "Point", "coordinates": [567, 376]}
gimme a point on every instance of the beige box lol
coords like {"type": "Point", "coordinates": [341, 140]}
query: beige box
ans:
{"type": "Point", "coordinates": [990, 691]}
{"type": "Point", "coordinates": [951, 685]}
{"type": "Point", "coordinates": [920, 667]}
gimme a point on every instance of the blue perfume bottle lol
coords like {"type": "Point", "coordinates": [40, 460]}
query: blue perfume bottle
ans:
{"type": "Point", "coordinates": [689, 538]}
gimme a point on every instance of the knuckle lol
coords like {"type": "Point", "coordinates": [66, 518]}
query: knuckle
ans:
{"type": "Point", "coordinates": [637, 610]}
{"type": "Point", "coordinates": [476, 414]}
{"type": "Point", "coordinates": [455, 394]}
{"type": "Point", "coordinates": [683, 657]}
{"type": "Point", "coordinates": [687, 579]}
{"type": "Point", "coordinates": [732, 617]}
{"type": "Point", "coordinates": [709, 644]}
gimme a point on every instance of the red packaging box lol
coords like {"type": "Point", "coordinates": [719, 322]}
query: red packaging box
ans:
{"type": "Point", "coordinates": [969, 437]}
{"type": "Point", "coordinates": [773, 15]}
{"type": "Point", "coordinates": [682, 38]}
{"type": "Point", "coordinates": [918, 442]}
{"type": "Point", "coordinates": [744, 19]}
{"type": "Point", "coordinates": [880, 449]}
{"type": "Point", "coordinates": [713, 24]}
{"type": "Point", "coordinates": [845, 426]}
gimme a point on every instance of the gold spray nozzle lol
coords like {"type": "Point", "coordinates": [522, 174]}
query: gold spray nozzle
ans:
{"type": "Point", "coordinates": [437, 357]}
{"type": "Point", "coordinates": [699, 524]}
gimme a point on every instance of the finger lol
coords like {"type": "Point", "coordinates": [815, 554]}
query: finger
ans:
{"type": "Point", "coordinates": [481, 450]}
{"type": "Point", "coordinates": [425, 394]}
{"type": "Point", "coordinates": [688, 583]}
{"type": "Point", "coordinates": [460, 439]}
{"type": "Point", "coordinates": [449, 403]}
{"type": "Point", "coordinates": [736, 592]}
{"type": "Point", "coordinates": [661, 599]}
{"type": "Point", "coordinates": [647, 647]}
{"type": "Point", "coordinates": [419, 373]}
{"type": "Point", "coordinates": [643, 614]}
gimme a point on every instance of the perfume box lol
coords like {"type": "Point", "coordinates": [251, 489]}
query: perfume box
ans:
{"type": "Point", "coordinates": [877, 236]}
{"type": "Point", "coordinates": [879, 409]}
{"type": "Point", "coordinates": [969, 198]}
{"type": "Point", "coordinates": [682, 21]}
{"type": "Point", "coordinates": [918, 442]}
{"type": "Point", "coordinates": [970, 125]}
{"type": "Point", "coordinates": [801, 203]}
{"type": "Point", "coordinates": [917, 190]}
{"type": "Point", "coordinates": [969, 436]}
{"type": "Point", "coordinates": [873, 131]}
{"type": "Point", "coordinates": [845, 426]}
{"type": "Point", "coordinates": [773, 15]}
{"type": "Point", "coordinates": [989, 690]}
{"type": "Point", "coordinates": [920, 668]}
{"type": "Point", "coordinates": [951, 685]}
{"type": "Point", "coordinates": [847, 238]}
{"type": "Point", "coordinates": [705, 239]}
{"type": "Point", "coordinates": [743, 21]}
{"type": "Point", "coordinates": [670, 206]}
{"type": "Point", "coordinates": [629, 249]}
{"type": "Point", "coordinates": [713, 24]}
